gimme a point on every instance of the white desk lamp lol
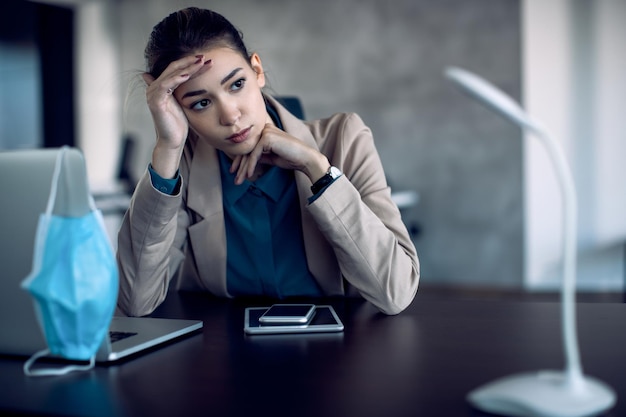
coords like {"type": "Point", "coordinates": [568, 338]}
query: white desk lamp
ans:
{"type": "Point", "coordinates": [566, 393]}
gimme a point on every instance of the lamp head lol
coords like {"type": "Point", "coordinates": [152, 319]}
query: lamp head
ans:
{"type": "Point", "coordinates": [490, 96]}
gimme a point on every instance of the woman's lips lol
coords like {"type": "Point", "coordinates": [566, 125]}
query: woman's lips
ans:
{"type": "Point", "coordinates": [240, 136]}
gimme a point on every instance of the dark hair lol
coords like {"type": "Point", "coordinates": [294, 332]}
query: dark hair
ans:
{"type": "Point", "coordinates": [185, 32]}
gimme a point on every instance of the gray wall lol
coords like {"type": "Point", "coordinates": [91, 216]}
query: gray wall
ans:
{"type": "Point", "coordinates": [384, 60]}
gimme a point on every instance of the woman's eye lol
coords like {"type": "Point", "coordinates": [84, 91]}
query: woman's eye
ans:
{"type": "Point", "coordinates": [200, 105]}
{"type": "Point", "coordinates": [238, 85]}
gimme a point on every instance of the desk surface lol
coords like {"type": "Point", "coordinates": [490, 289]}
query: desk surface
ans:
{"type": "Point", "coordinates": [419, 363]}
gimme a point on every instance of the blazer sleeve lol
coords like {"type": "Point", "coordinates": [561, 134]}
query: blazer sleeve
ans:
{"type": "Point", "coordinates": [150, 249]}
{"type": "Point", "coordinates": [361, 222]}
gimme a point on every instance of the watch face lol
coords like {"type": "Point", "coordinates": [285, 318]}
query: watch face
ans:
{"type": "Point", "coordinates": [334, 172]}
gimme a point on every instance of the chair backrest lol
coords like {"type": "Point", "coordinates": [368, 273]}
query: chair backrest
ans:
{"type": "Point", "coordinates": [292, 104]}
{"type": "Point", "coordinates": [125, 169]}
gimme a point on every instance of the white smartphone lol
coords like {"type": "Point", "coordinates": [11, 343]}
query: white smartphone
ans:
{"type": "Point", "coordinates": [324, 320]}
{"type": "Point", "coordinates": [288, 313]}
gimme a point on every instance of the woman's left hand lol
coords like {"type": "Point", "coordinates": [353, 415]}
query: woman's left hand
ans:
{"type": "Point", "coordinates": [280, 149]}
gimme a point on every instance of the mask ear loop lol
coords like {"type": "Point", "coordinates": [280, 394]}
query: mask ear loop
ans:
{"type": "Point", "coordinates": [52, 198]}
{"type": "Point", "coordinates": [50, 206]}
{"type": "Point", "coordinates": [45, 220]}
{"type": "Point", "coordinates": [54, 372]}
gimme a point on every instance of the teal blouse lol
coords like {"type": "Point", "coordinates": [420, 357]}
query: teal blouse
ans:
{"type": "Point", "coordinates": [265, 247]}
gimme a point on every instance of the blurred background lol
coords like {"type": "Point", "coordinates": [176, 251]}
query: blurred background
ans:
{"type": "Point", "coordinates": [488, 212]}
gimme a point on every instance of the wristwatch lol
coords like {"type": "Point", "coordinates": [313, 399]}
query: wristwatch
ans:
{"type": "Point", "coordinates": [331, 175]}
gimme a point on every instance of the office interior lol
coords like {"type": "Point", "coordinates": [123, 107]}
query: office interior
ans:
{"type": "Point", "coordinates": [489, 211]}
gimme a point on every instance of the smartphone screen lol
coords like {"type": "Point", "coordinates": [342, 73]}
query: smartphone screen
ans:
{"type": "Point", "coordinates": [288, 313]}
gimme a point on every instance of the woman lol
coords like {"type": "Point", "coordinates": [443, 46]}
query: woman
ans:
{"type": "Point", "coordinates": [242, 198]}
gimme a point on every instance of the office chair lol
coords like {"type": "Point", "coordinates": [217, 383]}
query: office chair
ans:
{"type": "Point", "coordinates": [292, 104]}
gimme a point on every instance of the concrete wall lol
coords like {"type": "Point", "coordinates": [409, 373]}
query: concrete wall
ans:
{"type": "Point", "coordinates": [384, 60]}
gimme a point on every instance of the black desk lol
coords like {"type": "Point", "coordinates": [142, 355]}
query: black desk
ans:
{"type": "Point", "coordinates": [419, 363]}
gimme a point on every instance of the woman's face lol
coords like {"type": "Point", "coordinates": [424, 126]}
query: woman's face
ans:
{"type": "Point", "coordinates": [223, 101]}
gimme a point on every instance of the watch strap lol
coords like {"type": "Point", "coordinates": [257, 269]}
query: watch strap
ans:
{"type": "Point", "coordinates": [331, 175]}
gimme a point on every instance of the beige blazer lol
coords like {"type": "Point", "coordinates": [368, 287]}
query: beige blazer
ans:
{"type": "Point", "coordinates": [354, 238]}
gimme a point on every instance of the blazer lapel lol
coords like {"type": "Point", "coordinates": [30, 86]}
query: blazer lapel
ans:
{"type": "Point", "coordinates": [321, 258]}
{"type": "Point", "coordinates": [208, 235]}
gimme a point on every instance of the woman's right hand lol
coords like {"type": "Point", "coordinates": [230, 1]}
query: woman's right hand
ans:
{"type": "Point", "coordinates": [170, 122]}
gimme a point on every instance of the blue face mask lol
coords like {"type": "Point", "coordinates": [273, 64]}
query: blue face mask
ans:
{"type": "Point", "coordinates": [74, 284]}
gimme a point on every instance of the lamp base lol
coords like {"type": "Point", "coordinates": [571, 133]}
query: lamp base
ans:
{"type": "Point", "coordinates": [543, 394]}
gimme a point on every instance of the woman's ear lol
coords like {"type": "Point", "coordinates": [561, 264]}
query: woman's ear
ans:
{"type": "Point", "coordinates": [257, 66]}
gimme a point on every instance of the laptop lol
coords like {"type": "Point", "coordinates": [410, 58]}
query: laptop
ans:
{"type": "Point", "coordinates": [26, 176]}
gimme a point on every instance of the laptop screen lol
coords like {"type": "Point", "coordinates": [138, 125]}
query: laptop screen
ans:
{"type": "Point", "coordinates": [27, 176]}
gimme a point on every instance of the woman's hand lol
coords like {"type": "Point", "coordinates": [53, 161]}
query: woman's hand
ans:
{"type": "Point", "coordinates": [278, 148]}
{"type": "Point", "coordinates": [170, 122]}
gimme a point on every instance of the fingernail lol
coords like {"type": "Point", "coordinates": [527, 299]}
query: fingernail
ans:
{"type": "Point", "coordinates": [208, 61]}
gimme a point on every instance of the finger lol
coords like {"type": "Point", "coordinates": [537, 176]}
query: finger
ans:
{"type": "Point", "coordinates": [147, 78]}
{"type": "Point", "coordinates": [262, 150]}
{"type": "Point", "coordinates": [236, 163]}
{"type": "Point", "coordinates": [252, 161]}
{"type": "Point", "coordinates": [181, 66]}
{"type": "Point", "coordinates": [241, 170]}
{"type": "Point", "coordinates": [180, 71]}
{"type": "Point", "coordinates": [183, 73]}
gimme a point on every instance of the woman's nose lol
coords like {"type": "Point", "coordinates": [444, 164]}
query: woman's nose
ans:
{"type": "Point", "coordinates": [229, 113]}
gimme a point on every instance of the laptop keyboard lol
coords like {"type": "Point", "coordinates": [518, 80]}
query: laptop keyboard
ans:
{"type": "Point", "coordinates": [117, 336]}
